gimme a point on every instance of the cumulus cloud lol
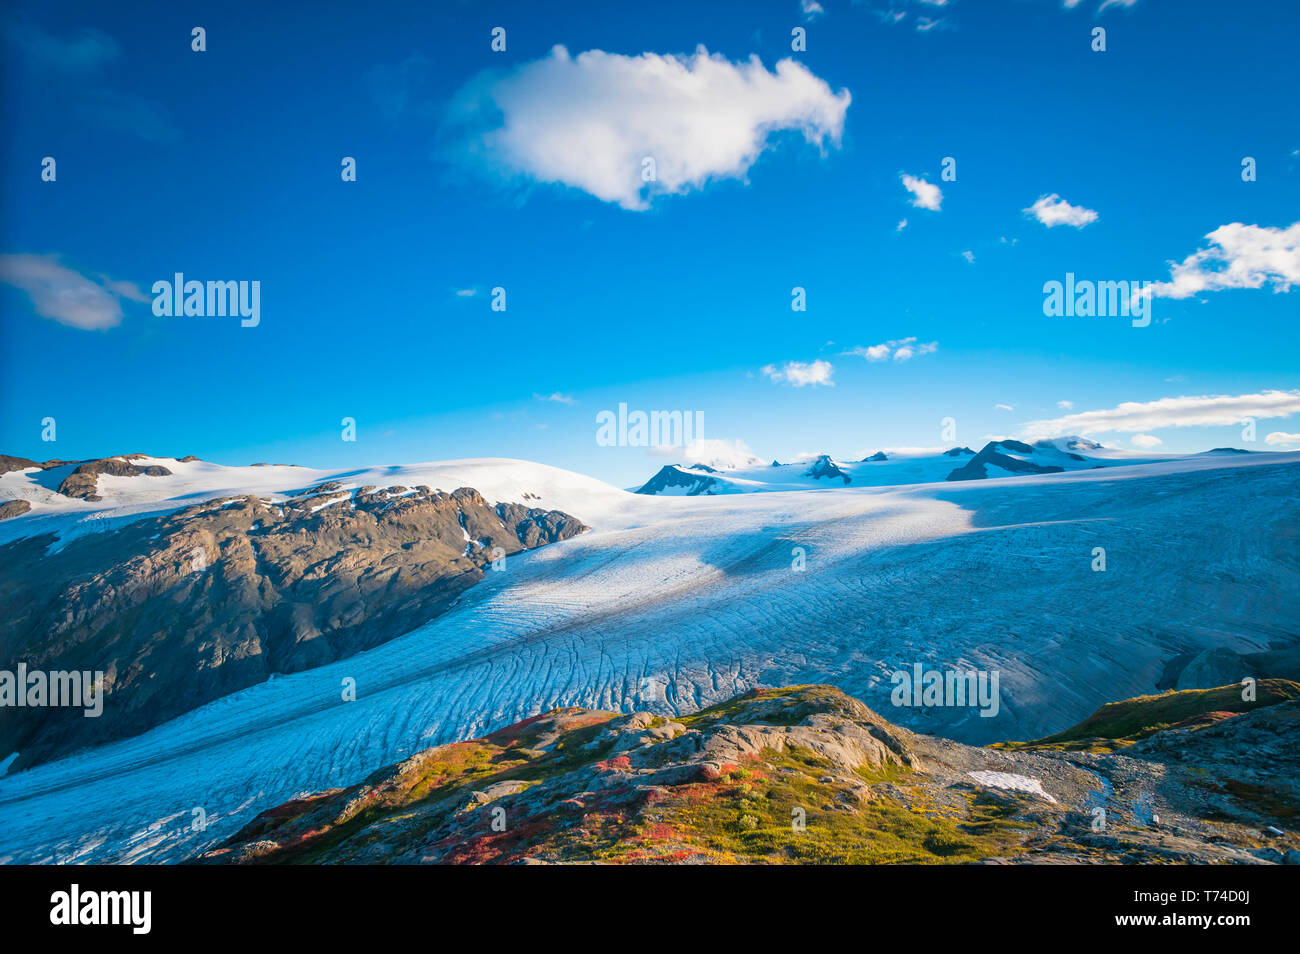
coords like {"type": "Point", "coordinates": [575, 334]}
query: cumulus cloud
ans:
{"type": "Point", "coordinates": [925, 195]}
{"type": "Point", "coordinates": [628, 128]}
{"type": "Point", "coordinates": [713, 452]}
{"type": "Point", "coordinates": [900, 349]}
{"type": "Point", "coordinates": [67, 296]}
{"type": "Point", "coordinates": [800, 374]}
{"type": "Point", "coordinates": [1202, 411]}
{"type": "Point", "coordinates": [1239, 256]}
{"type": "Point", "coordinates": [1065, 405]}
{"type": "Point", "coordinates": [1281, 437]}
{"type": "Point", "coordinates": [1146, 440]}
{"type": "Point", "coordinates": [1052, 210]}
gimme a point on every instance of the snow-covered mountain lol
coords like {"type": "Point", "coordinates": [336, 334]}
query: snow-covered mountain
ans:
{"type": "Point", "coordinates": [1000, 458]}
{"type": "Point", "coordinates": [120, 497]}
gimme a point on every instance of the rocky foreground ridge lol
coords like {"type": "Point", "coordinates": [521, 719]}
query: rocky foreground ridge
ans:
{"type": "Point", "coordinates": [809, 775]}
{"type": "Point", "coordinates": [180, 609]}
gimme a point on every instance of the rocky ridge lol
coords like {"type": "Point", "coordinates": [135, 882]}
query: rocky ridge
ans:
{"type": "Point", "coordinates": [808, 775]}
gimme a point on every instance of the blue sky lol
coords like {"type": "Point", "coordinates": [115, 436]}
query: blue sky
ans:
{"type": "Point", "coordinates": [479, 169]}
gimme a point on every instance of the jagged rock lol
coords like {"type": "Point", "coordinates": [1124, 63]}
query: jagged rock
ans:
{"type": "Point", "coordinates": [824, 466]}
{"type": "Point", "coordinates": [83, 482]}
{"type": "Point", "coordinates": [993, 454]}
{"type": "Point", "coordinates": [14, 508]}
{"type": "Point", "coordinates": [182, 609]}
{"type": "Point", "coordinates": [674, 478]}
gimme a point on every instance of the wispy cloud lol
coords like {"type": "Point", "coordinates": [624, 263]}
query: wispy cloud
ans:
{"type": "Point", "coordinates": [900, 349]}
{"type": "Point", "coordinates": [1003, 407]}
{"type": "Point", "coordinates": [811, 10]}
{"type": "Point", "coordinates": [925, 195]}
{"type": "Point", "coordinates": [67, 296]}
{"type": "Point", "coordinates": [1134, 417]}
{"type": "Point", "coordinates": [555, 397]}
{"type": "Point", "coordinates": [78, 65]}
{"type": "Point", "coordinates": [1052, 210]}
{"type": "Point", "coordinates": [628, 128]}
{"type": "Point", "coordinates": [801, 374]}
{"type": "Point", "coordinates": [86, 51]}
{"type": "Point", "coordinates": [130, 114]}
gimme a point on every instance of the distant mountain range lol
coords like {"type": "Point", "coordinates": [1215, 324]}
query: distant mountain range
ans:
{"type": "Point", "coordinates": [1000, 458]}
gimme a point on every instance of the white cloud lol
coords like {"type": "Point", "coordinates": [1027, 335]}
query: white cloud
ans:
{"type": "Point", "coordinates": [969, 256]}
{"type": "Point", "coordinates": [1003, 407]}
{"type": "Point", "coordinates": [1203, 411]}
{"type": "Point", "coordinates": [926, 194]}
{"type": "Point", "coordinates": [1052, 210]}
{"type": "Point", "coordinates": [65, 295]}
{"type": "Point", "coordinates": [1240, 256]}
{"type": "Point", "coordinates": [1065, 405]}
{"type": "Point", "coordinates": [556, 398]}
{"type": "Point", "coordinates": [811, 9]}
{"type": "Point", "coordinates": [1115, 3]}
{"type": "Point", "coordinates": [799, 373]}
{"type": "Point", "coordinates": [1281, 437]}
{"type": "Point", "coordinates": [466, 292]}
{"type": "Point", "coordinates": [589, 121]}
{"type": "Point", "coordinates": [87, 52]}
{"type": "Point", "coordinates": [1145, 440]}
{"type": "Point", "coordinates": [902, 224]}
{"type": "Point", "coordinates": [714, 452]}
{"type": "Point", "coordinates": [901, 349]}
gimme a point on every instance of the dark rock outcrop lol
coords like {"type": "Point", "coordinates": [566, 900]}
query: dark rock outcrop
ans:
{"type": "Point", "coordinates": [184, 608]}
{"type": "Point", "coordinates": [824, 466]}
{"type": "Point", "coordinates": [83, 482]}
{"type": "Point", "coordinates": [992, 454]}
{"type": "Point", "coordinates": [13, 508]}
{"type": "Point", "coordinates": [672, 476]}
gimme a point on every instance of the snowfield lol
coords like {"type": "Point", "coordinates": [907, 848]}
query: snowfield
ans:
{"type": "Point", "coordinates": [674, 603]}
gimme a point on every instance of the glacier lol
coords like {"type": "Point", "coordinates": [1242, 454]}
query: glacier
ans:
{"type": "Point", "coordinates": [674, 603]}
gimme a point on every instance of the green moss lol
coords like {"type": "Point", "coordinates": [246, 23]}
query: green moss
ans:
{"type": "Point", "coordinates": [751, 820]}
{"type": "Point", "coordinates": [1119, 724]}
